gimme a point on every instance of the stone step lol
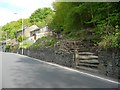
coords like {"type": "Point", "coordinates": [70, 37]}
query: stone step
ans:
{"type": "Point", "coordinates": [79, 50]}
{"type": "Point", "coordinates": [87, 69]}
{"type": "Point", "coordinates": [89, 61]}
{"type": "Point", "coordinates": [87, 57]}
{"type": "Point", "coordinates": [88, 65]}
{"type": "Point", "coordinates": [82, 50]}
{"type": "Point", "coordinates": [85, 53]}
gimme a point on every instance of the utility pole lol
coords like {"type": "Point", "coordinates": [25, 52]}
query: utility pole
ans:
{"type": "Point", "coordinates": [6, 37]}
{"type": "Point", "coordinates": [22, 32]}
{"type": "Point", "coordinates": [22, 35]}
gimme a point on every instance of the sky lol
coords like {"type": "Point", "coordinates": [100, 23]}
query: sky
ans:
{"type": "Point", "coordinates": [12, 10]}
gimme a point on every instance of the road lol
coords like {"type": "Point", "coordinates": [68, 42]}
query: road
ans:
{"type": "Point", "coordinates": [24, 72]}
{"type": "Point", "coordinates": [0, 70]}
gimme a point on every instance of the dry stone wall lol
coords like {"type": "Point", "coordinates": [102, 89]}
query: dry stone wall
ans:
{"type": "Point", "coordinates": [109, 60]}
{"type": "Point", "coordinates": [51, 55]}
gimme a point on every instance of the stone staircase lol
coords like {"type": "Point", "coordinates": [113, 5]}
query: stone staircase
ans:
{"type": "Point", "coordinates": [86, 61]}
{"type": "Point", "coordinates": [83, 57]}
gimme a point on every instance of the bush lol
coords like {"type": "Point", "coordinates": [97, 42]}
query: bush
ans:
{"type": "Point", "coordinates": [8, 47]}
{"type": "Point", "coordinates": [46, 41]}
{"type": "Point", "coordinates": [25, 45]}
{"type": "Point", "coordinates": [19, 38]}
{"type": "Point", "coordinates": [110, 41]}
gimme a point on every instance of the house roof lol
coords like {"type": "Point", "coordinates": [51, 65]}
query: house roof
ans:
{"type": "Point", "coordinates": [20, 31]}
{"type": "Point", "coordinates": [41, 29]}
{"type": "Point", "coordinates": [33, 27]}
{"type": "Point", "coordinates": [35, 30]}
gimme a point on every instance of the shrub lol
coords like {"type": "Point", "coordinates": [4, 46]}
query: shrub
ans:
{"type": "Point", "coordinates": [46, 41]}
{"type": "Point", "coordinates": [110, 41]}
{"type": "Point", "coordinates": [19, 38]}
{"type": "Point", "coordinates": [25, 45]}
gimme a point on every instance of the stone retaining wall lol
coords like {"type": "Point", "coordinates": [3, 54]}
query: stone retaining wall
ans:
{"type": "Point", "coordinates": [109, 62]}
{"type": "Point", "coordinates": [51, 55]}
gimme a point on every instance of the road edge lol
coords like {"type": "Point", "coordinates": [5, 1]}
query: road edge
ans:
{"type": "Point", "coordinates": [70, 69]}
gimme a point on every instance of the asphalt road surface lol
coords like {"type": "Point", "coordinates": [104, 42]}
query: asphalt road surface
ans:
{"type": "Point", "coordinates": [23, 72]}
{"type": "Point", "coordinates": [0, 70]}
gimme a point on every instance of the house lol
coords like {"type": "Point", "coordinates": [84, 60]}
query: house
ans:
{"type": "Point", "coordinates": [19, 33]}
{"type": "Point", "coordinates": [26, 31]}
{"type": "Point", "coordinates": [29, 29]}
{"type": "Point", "coordinates": [40, 32]}
{"type": "Point", "coordinates": [33, 32]}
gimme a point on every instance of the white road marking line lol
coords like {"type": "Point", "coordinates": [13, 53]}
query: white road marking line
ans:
{"type": "Point", "coordinates": [70, 69]}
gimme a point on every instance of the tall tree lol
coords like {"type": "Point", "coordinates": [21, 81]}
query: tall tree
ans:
{"type": "Point", "coordinates": [11, 28]}
{"type": "Point", "coordinates": [40, 15]}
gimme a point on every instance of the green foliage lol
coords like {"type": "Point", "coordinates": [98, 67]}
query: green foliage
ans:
{"type": "Point", "coordinates": [41, 24]}
{"type": "Point", "coordinates": [25, 45]}
{"type": "Point", "coordinates": [79, 20]}
{"type": "Point", "coordinates": [62, 10]}
{"type": "Point", "coordinates": [11, 28]}
{"type": "Point", "coordinates": [8, 48]}
{"type": "Point", "coordinates": [47, 41]}
{"type": "Point", "coordinates": [41, 16]}
{"type": "Point", "coordinates": [112, 40]}
{"type": "Point", "coordinates": [1, 33]}
{"type": "Point", "coordinates": [19, 38]}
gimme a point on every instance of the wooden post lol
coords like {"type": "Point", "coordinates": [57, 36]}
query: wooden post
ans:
{"type": "Point", "coordinates": [76, 57]}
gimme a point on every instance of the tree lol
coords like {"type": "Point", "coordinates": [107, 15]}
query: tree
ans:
{"type": "Point", "coordinates": [40, 16]}
{"type": "Point", "coordinates": [14, 26]}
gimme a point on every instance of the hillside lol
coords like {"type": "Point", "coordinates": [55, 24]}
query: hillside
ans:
{"type": "Point", "coordinates": [91, 23]}
{"type": "Point", "coordinates": [95, 23]}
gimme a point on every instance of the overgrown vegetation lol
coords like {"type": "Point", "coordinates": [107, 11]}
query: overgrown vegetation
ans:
{"type": "Point", "coordinates": [25, 45]}
{"type": "Point", "coordinates": [97, 23]}
{"type": "Point", "coordinates": [19, 38]}
{"type": "Point", "coordinates": [111, 40]}
{"type": "Point", "coordinates": [47, 41]}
